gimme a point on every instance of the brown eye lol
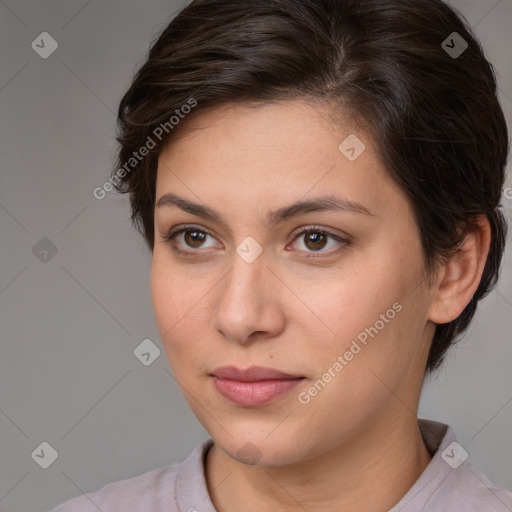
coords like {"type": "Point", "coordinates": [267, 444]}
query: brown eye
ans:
{"type": "Point", "coordinates": [194, 238]}
{"type": "Point", "coordinates": [190, 239]}
{"type": "Point", "coordinates": [315, 241]}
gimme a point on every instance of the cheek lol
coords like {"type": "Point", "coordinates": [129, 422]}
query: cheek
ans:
{"type": "Point", "coordinates": [180, 306]}
{"type": "Point", "coordinates": [172, 301]}
{"type": "Point", "coordinates": [163, 295]}
{"type": "Point", "coordinates": [346, 305]}
{"type": "Point", "coordinates": [363, 376]}
{"type": "Point", "coordinates": [374, 315]}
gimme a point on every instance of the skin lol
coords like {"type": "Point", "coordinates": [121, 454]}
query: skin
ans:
{"type": "Point", "coordinates": [356, 444]}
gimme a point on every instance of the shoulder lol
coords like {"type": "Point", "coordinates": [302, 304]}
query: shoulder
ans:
{"type": "Point", "coordinates": [467, 488]}
{"type": "Point", "coordinates": [154, 490]}
{"type": "Point", "coordinates": [451, 482]}
{"type": "Point", "coordinates": [166, 489]}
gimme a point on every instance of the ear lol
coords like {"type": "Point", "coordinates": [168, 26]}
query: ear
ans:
{"type": "Point", "coordinates": [458, 279]}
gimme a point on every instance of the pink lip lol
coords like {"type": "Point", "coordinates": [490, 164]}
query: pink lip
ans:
{"type": "Point", "coordinates": [254, 386]}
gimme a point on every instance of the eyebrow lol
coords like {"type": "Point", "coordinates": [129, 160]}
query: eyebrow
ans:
{"type": "Point", "coordinates": [319, 204]}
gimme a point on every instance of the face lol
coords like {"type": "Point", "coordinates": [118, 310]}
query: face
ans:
{"type": "Point", "coordinates": [330, 292]}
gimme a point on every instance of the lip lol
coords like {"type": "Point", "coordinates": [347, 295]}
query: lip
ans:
{"type": "Point", "coordinates": [251, 374]}
{"type": "Point", "coordinates": [253, 386]}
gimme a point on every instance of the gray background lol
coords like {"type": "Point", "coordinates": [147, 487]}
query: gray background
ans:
{"type": "Point", "coordinates": [69, 325]}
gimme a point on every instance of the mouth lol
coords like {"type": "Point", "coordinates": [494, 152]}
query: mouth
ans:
{"type": "Point", "coordinates": [254, 386]}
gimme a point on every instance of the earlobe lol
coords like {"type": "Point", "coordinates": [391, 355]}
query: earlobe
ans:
{"type": "Point", "coordinates": [458, 279]}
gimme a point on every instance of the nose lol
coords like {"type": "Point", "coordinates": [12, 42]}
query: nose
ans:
{"type": "Point", "coordinates": [248, 305]}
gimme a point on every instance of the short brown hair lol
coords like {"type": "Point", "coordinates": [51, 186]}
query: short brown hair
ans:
{"type": "Point", "coordinates": [434, 116]}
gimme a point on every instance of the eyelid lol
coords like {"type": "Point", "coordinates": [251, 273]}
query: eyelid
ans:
{"type": "Point", "coordinates": [316, 228]}
{"type": "Point", "coordinates": [186, 227]}
{"type": "Point", "coordinates": [170, 237]}
{"type": "Point", "coordinates": [343, 240]}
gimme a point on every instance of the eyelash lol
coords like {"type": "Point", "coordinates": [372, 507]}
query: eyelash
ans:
{"type": "Point", "coordinates": [302, 231]}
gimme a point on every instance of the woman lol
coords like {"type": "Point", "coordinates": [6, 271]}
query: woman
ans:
{"type": "Point", "coordinates": [319, 184]}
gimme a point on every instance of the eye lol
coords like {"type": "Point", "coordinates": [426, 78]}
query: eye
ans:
{"type": "Point", "coordinates": [189, 237]}
{"type": "Point", "coordinates": [314, 239]}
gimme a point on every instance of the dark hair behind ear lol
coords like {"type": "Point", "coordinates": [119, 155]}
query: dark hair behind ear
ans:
{"type": "Point", "coordinates": [392, 65]}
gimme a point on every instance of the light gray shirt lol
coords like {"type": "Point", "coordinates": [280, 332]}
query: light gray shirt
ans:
{"type": "Point", "coordinates": [449, 483]}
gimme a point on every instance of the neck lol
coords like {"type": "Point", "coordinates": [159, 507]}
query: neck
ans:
{"type": "Point", "coordinates": [370, 472]}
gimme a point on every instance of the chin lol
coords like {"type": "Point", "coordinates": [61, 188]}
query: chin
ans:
{"type": "Point", "coordinates": [254, 447]}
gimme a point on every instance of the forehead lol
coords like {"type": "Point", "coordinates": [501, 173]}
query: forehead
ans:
{"type": "Point", "coordinates": [271, 153]}
{"type": "Point", "coordinates": [299, 132]}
